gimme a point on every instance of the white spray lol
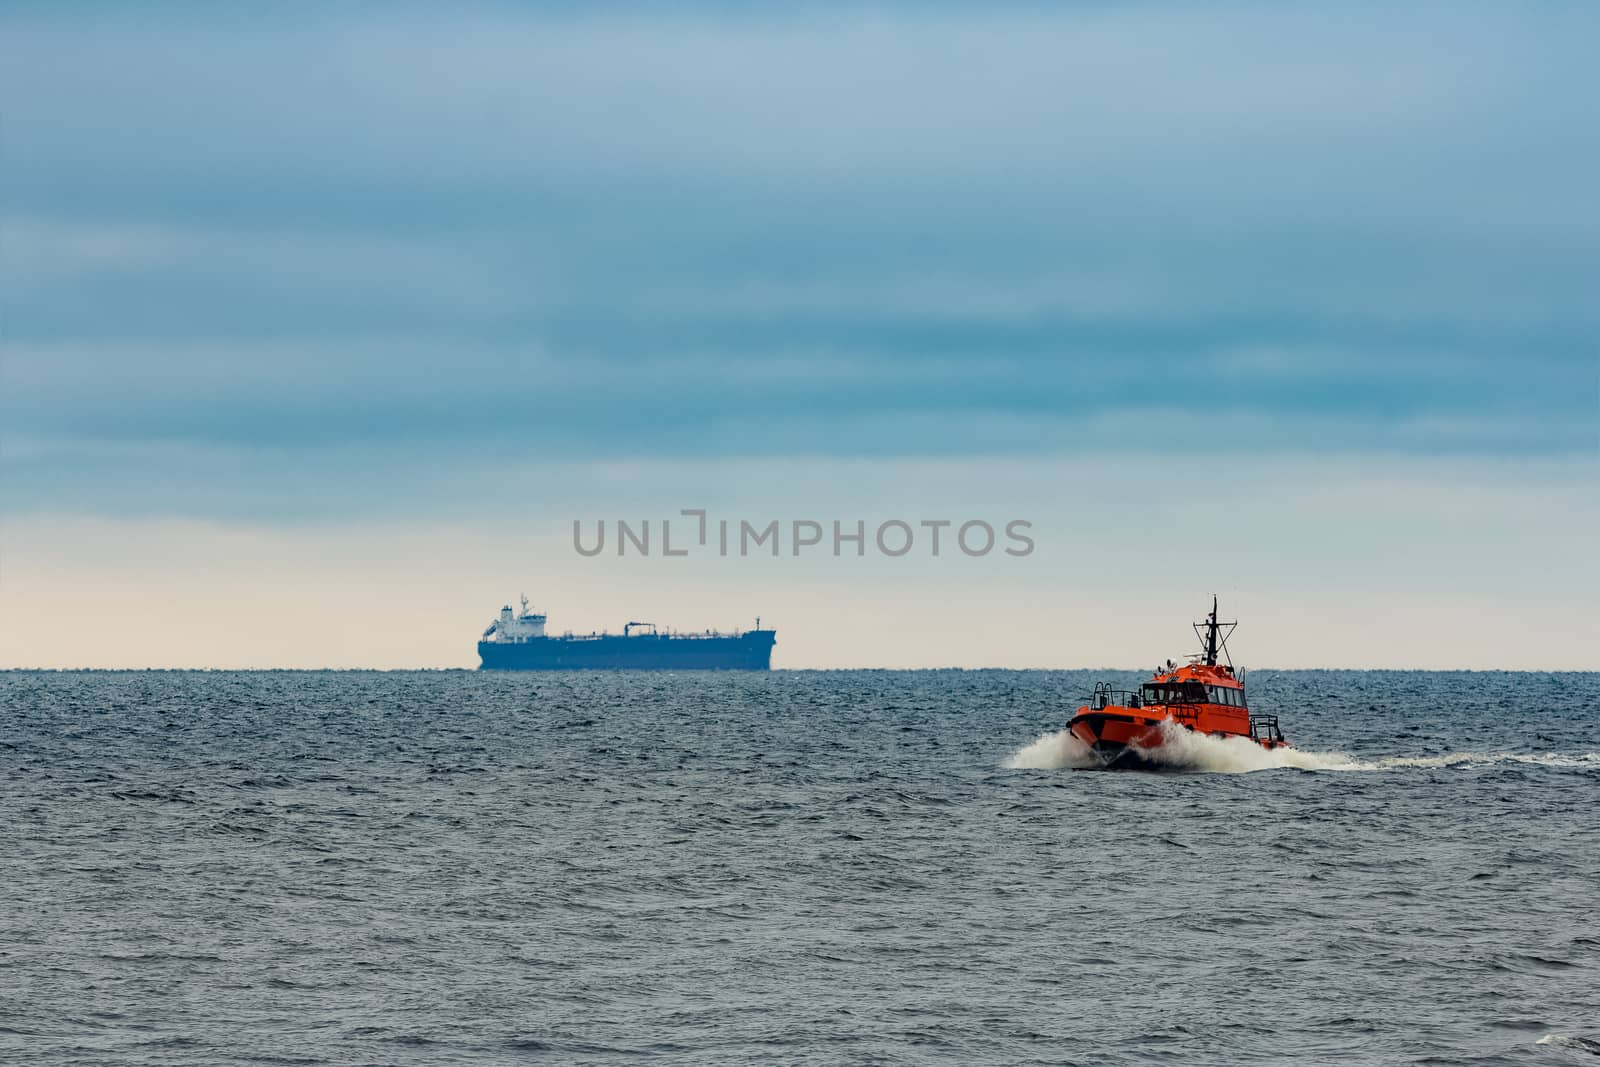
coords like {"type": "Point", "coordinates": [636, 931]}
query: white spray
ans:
{"type": "Point", "coordinates": [1184, 750]}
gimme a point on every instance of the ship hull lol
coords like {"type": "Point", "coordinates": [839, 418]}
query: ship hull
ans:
{"type": "Point", "coordinates": [646, 652]}
{"type": "Point", "coordinates": [1126, 740]}
{"type": "Point", "coordinates": [1119, 741]}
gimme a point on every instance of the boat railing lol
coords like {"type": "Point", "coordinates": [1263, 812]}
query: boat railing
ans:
{"type": "Point", "coordinates": [632, 632]}
{"type": "Point", "coordinates": [667, 635]}
{"type": "Point", "coordinates": [1265, 728]}
{"type": "Point", "coordinates": [1104, 696]}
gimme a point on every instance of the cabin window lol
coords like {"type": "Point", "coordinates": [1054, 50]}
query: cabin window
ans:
{"type": "Point", "coordinates": [1189, 693]}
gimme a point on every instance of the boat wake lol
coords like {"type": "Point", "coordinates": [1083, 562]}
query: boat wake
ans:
{"type": "Point", "coordinates": [1569, 1043]}
{"type": "Point", "coordinates": [1185, 750]}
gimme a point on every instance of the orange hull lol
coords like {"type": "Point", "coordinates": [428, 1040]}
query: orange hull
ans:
{"type": "Point", "coordinates": [1124, 736]}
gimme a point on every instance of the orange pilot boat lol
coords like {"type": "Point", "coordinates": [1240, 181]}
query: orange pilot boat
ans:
{"type": "Point", "coordinates": [1126, 729]}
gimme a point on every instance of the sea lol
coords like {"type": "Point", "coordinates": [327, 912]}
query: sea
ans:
{"type": "Point", "coordinates": [858, 867]}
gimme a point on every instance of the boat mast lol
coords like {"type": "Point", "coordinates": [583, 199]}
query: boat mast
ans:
{"type": "Point", "coordinates": [1213, 637]}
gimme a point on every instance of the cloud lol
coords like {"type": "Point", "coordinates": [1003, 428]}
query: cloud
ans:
{"type": "Point", "coordinates": [482, 97]}
{"type": "Point", "coordinates": [400, 242]}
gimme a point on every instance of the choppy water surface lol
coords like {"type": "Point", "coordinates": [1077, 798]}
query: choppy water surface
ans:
{"type": "Point", "coordinates": [858, 867]}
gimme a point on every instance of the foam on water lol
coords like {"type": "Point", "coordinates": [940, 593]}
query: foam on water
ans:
{"type": "Point", "coordinates": [1053, 751]}
{"type": "Point", "coordinates": [1541, 759]}
{"type": "Point", "coordinates": [1184, 750]}
{"type": "Point", "coordinates": [1569, 1042]}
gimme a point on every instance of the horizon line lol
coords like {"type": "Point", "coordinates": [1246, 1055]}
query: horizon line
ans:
{"type": "Point", "coordinates": [774, 670]}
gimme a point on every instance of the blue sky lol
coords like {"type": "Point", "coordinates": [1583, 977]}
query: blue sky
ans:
{"type": "Point", "coordinates": [375, 271]}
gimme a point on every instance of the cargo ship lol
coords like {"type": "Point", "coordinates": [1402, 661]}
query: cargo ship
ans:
{"type": "Point", "coordinates": [1125, 729]}
{"type": "Point", "coordinates": [516, 641]}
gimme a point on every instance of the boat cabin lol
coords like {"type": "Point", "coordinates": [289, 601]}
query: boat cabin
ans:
{"type": "Point", "coordinates": [1189, 692]}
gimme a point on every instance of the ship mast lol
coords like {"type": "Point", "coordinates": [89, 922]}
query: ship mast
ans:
{"type": "Point", "coordinates": [1214, 635]}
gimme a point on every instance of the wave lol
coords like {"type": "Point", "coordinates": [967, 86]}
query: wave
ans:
{"type": "Point", "coordinates": [1051, 752]}
{"type": "Point", "coordinates": [1568, 1041]}
{"type": "Point", "coordinates": [1185, 750]}
{"type": "Point", "coordinates": [1542, 759]}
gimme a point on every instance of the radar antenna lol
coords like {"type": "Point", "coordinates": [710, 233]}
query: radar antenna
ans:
{"type": "Point", "coordinates": [1214, 636]}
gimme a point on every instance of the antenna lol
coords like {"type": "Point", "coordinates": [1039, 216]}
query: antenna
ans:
{"type": "Point", "coordinates": [1214, 636]}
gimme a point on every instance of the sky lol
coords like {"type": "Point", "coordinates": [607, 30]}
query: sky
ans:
{"type": "Point", "coordinates": [321, 325]}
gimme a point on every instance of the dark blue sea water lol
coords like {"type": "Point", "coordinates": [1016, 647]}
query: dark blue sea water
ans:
{"type": "Point", "coordinates": [805, 868]}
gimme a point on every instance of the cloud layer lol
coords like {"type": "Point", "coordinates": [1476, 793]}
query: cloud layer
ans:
{"type": "Point", "coordinates": [464, 239]}
{"type": "Point", "coordinates": [319, 314]}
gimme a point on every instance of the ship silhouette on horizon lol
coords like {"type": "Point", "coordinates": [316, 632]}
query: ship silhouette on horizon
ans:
{"type": "Point", "coordinates": [518, 642]}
